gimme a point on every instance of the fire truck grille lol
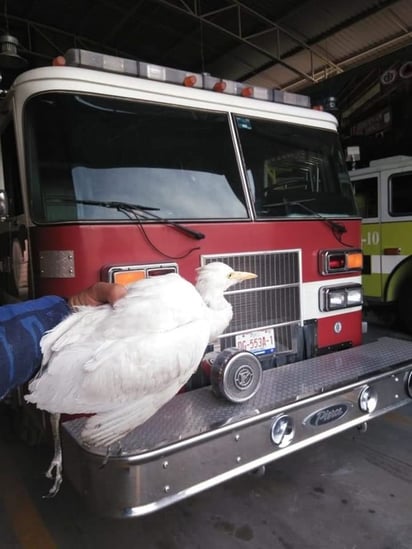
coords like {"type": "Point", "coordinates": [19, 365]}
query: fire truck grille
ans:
{"type": "Point", "coordinates": [269, 302]}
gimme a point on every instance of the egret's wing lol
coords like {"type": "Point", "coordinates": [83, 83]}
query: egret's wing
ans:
{"type": "Point", "coordinates": [159, 385]}
{"type": "Point", "coordinates": [77, 327]}
{"type": "Point", "coordinates": [107, 427]}
{"type": "Point", "coordinates": [152, 305]}
{"type": "Point", "coordinates": [81, 380]}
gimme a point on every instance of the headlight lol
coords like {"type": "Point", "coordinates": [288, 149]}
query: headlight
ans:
{"type": "Point", "coordinates": [340, 297]}
{"type": "Point", "coordinates": [368, 399]}
{"type": "Point", "coordinates": [354, 296]}
{"type": "Point", "coordinates": [282, 431]}
{"type": "Point", "coordinates": [409, 384]}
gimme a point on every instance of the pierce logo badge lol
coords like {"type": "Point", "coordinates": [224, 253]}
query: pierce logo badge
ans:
{"type": "Point", "coordinates": [327, 415]}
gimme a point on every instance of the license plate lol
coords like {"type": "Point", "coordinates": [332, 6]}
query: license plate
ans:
{"type": "Point", "coordinates": [259, 342]}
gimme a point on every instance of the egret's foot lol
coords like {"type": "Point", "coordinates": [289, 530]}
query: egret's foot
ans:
{"type": "Point", "coordinates": [54, 471]}
{"type": "Point", "coordinates": [112, 450]}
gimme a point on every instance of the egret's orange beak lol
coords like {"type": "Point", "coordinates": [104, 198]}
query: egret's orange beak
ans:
{"type": "Point", "coordinates": [242, 275]}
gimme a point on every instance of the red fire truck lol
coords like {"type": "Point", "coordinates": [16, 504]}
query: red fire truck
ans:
{"type": "Point", "coordinates": [115, 169]}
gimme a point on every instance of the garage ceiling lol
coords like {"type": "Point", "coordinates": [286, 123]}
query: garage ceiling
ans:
{"type": "Point", "coordinates": [286, 44]}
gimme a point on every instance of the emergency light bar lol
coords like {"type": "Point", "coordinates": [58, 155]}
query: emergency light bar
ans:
{"type": "Point", "coordinates": [92, 60]}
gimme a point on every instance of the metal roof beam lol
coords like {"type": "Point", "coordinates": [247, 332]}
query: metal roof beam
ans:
{"type": "Point", "coordinates": [379, 7]}
{"type": "Point", "coordinates": [194, 10]}
{"type": "Point", "coordinates": [390, 44]}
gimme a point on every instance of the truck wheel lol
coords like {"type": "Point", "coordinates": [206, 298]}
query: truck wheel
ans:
{"type": "Point", "coordinates": [405, 307]}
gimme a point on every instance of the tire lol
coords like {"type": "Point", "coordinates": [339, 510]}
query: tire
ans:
{"type": "Point", "coordinates": [404, 307]}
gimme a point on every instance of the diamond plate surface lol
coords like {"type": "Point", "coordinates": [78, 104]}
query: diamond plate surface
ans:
{"type": "Point", "coordinates": [196, 412]}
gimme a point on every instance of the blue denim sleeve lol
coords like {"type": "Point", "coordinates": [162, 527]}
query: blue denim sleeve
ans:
{"type": "Point", "coordinates": [21, 328]}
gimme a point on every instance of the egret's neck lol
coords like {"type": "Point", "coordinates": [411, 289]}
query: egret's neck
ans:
{"type": "Point", "coordinates": [212, 295]}
{"type": "Point", "coordinates": [220, 310]}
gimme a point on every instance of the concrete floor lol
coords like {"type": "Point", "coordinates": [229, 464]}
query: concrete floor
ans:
{"type": "Point", "coordinates": [350, 492]}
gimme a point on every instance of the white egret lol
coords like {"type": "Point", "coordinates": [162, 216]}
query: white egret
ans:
{"type": "Point", "coordinates": [123, 362]}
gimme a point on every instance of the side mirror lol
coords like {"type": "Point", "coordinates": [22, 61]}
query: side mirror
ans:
{"type": "Point", "coordinates": [4, 209]}
{"type": "Point", "coordinates": [352, 156]}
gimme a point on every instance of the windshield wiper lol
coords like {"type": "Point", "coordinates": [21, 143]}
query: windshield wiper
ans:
{"type": "Point", "coordinates": [338, 229]}
{"type": "Point", "coordinates": [127, 207]}
{"type": "Point", "coordinates": [113, 204]}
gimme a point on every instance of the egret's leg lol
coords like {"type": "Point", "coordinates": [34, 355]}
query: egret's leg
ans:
{"type": "Point", "coordinates": [56, 465]}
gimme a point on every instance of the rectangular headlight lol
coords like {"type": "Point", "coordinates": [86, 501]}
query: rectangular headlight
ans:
{"type": "Point", "coordinates": [340, 297]}
{"type": "Point", "coordinates": [354, 296]}
{"type": "Point", "coordinates": [335, 299]}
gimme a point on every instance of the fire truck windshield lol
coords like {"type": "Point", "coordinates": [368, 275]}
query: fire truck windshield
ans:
{"type": "Point", "coordinates": [83, 148]}
{"type": "Point", "coordinates": [287, 165]}
{"type": "Point", "coordinates": [181, 161]}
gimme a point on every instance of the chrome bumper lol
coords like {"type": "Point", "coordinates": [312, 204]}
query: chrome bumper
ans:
{"type": "Point", "coordinates": [197, 441]}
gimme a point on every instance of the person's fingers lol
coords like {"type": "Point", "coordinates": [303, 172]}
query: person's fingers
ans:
{"type": "Point", "coordinates": [83, 298]}
{"type": "Point", "coordinates": [104, 292]}
{"type": "Point", "coordinates": [99, 293]}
